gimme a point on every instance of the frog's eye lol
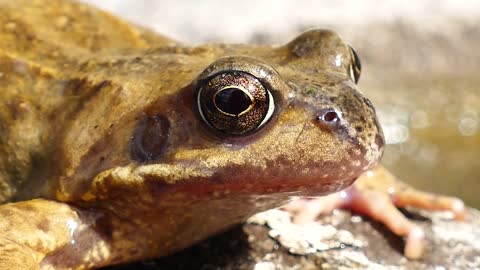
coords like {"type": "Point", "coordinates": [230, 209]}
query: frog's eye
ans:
{"type": "Point", "coordinates": [234, 103]}
{"type": "Point", "coordinates": [355, 66]}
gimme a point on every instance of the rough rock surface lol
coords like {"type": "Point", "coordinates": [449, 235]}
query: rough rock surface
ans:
{"type": "Point", "coordinates": [340, 241]}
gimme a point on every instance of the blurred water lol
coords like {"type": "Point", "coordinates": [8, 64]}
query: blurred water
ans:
{"type": "Point", "coordinates": [432, 124]}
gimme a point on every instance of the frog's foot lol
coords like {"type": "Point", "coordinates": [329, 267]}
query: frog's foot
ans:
{"type": "Point", "coordinates": [24, 240]}
{"type": "Point", "coordinates": [45, 234]}
{"type": "Point", "coordinates": [376, 195]}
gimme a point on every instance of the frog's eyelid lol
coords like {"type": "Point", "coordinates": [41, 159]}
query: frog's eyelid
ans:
{"type": "Point", "coordinates": [271, 109]}
{"type": "Point", "coordinates": [355, 65]}
{"type": "Point", "coordinates": [352, 73]}
{"type": "Point", "coordinates": [247, 64]}
{"type": "Point", "coordinates": [199, 107]}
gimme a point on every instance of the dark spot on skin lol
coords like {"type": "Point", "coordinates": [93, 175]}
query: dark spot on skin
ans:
{"type": "Point", "coordinates": [15, 111]}
{"type": "Point", "coordinates": [330, 84]}
{"type": "Point", "coordinates": [150, 138]}
{"type": "Point", "coordinates": [310, 91]}
{"type": "Point", "coordinates": [77, 87]}
{"type": "Point", "coordinates": [26, 207]}
{"type": "Point", "coordinates": [155, 186]}
{"type": "Point", "coordinates": [359, 129]}
{"type": "Point", "coordinates": [74, 87]}
{"type": "Point", "coordinates": [104, 227]}
{"type": "Point", "coordinates": [44, 225]}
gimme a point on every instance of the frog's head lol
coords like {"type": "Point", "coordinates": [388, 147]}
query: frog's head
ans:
{"type": "Point", "coordinates": [244, 119]}
{"type": "Point", "coordinates": [291, 116]}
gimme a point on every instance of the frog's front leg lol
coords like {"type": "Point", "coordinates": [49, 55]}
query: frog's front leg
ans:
{"type": "Point", "coordinates": [32, 229]}
{"type": "Point", "coordinates": [44, 234]}
{"type": "Point", "coordinates": [376, 194]}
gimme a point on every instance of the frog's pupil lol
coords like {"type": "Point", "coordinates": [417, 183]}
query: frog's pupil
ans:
{"type": "Point", "coordinates": [233, 101]}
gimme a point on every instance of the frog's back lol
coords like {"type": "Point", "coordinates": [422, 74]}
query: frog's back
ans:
{"type": "Point", "coordinates": [57, 33]}
{"type": "Point", "coordinates": [42, 45]}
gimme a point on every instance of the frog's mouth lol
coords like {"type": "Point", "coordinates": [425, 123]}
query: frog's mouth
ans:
{"type": "Point", "coordinates": [245, 186]}
{"type": "Point", "coordinates": [279, 178]}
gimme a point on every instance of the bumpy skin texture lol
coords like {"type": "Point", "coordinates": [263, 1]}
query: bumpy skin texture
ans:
{"type": "Point", "coordinates": [105, 158]}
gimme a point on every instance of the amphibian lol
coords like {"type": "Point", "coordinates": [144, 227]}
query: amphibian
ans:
{"type": "Point", "coordinates": [118, 144]}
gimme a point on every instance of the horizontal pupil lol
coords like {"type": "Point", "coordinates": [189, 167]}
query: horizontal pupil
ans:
{"type": "Point", "coordinates": [232, 101]}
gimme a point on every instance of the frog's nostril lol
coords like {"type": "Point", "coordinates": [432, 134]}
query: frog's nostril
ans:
{"type": "Point", "coordinates": [328, 117]}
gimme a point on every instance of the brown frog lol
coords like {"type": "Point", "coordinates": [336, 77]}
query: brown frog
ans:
{"type": "Point", "coordinates": [118, 144]}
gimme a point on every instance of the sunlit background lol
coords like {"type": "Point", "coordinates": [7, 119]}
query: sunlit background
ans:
{"type": "Point", "coordinates": [421, 64]}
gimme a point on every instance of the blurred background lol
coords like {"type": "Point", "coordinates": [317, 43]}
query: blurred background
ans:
{"type": "Point", "coordinates": [421, 64]}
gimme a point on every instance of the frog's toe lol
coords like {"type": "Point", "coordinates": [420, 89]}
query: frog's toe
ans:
{"type": "Point", "coordinates": [379, 206]}
{"type": "Point", "coordinates": [408, 196]}
{"type": "Point", "coordinates": [305, 210]}
{"type": "Point", "coordinates": [372, 203]}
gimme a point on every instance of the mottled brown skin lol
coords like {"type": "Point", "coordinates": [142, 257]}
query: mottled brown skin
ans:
{"type": "Point", "coordinates": [104, 158]}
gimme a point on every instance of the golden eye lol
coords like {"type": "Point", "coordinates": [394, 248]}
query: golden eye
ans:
{"type": "Point", "coordinates": [234, 103]}
{"type": "Point", "coordinates": [355, 66]}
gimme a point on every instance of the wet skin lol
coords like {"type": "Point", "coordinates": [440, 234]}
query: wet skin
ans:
{"type": "Point", "coordinates": [118, 144]}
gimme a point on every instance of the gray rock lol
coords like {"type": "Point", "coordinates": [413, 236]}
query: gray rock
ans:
{"type": "Point", "coordinates": [269, 241]}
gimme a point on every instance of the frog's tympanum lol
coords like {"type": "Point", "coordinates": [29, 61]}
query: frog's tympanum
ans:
{"type": "Point", "coordinates": [118, 144]}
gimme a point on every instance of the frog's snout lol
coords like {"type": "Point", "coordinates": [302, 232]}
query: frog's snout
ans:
{"type": "Point", "coordinates": [348, 121]}
{"type": "Point", "coordinates": [368, 135]}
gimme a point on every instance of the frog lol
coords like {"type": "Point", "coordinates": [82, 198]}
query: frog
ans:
{"type": "Point", "coordinates": [119, 144]}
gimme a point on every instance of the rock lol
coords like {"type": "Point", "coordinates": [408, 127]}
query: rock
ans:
{"type": "Point", "coordinates": [269, 241]}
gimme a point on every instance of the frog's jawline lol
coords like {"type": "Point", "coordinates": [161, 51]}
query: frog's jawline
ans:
{"type": "Point", "coordinates": [321, 180]}
{"type": "Point", "coordinates": [211, 188]}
